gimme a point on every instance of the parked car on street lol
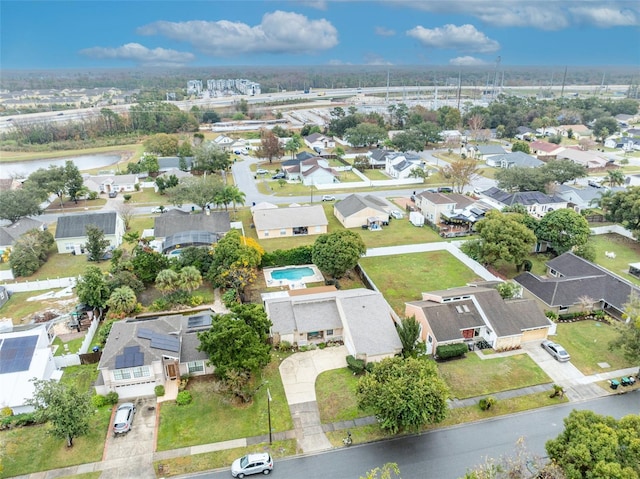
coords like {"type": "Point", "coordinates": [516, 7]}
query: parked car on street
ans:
{"type": "Point", "coordinates": [278, 176]}
{"type": "Point", "coordinates": [556, 350]}
{"type": "Point", "coordinates": [328, 198]}
{"type": "Point", "coordinates": [252, 464]}
{"type": "Point", "coordinates": [261, 171]}
{"type": "Point", "coordinates": [124, 418]}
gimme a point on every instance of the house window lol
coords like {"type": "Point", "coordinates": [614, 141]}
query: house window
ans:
{"type": "Point", "coordinates": [121, 374]}
{"type": "Point", "coordinates": [266, 233]}
{"type": "Point", "coordinates": [141, 372]}
{"type": "Point", "coordinates": [195, 367]}
{"type": "Point", "coordinates": [429, 339]}
{"type": "Point", "coordinates": [131, 373]}
{"type": "Point", "coordinates": [314, 335]}
{"type": "Point", "coordinates": [329, 332]}
{"type": "Point", "coordinates": [283, 232]}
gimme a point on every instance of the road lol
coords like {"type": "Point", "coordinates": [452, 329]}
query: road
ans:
{"type": "Point", "coordinates": [446, 453]}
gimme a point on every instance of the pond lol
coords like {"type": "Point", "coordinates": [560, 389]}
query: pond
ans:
{"type": "Point", "coordinates": [25, 168]}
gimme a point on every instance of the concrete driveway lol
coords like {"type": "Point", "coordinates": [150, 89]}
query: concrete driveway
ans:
{"type": "Point", "coordinates": [130, 455]}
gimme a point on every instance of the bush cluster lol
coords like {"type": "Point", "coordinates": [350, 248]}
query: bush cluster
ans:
{"type": "Point", "coordinates": [294, 256]}
{"type": "Point", "coordinates": [112, 397]}
{"type": "Point", "coordinates": [98, 401]}
{"type": "Point", "coordinates": [19, 420]}
{"type": "Point", "coordinates": [159, 390]}
{"type": "Point", "coordinates": [451, 350]}
{"type": "Point", "coordinates": [486, 403]}
{"type": "Point", "coordinates": [184, 398]}
{"type": "Point", "coordinates": [356, 365]}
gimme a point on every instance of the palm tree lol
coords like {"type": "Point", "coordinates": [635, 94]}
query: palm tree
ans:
{"type": "Point", "coordinates": [615, 178]}
{"type": "Point", "coordinates": [167, 281]}
{"type": "Point", "coordinates": [122, 300]}
{"type": "Point", "coordinates": [237, 196]}
{"type": "Point", "coordinates": [600, 201]}
{"type": "Point", "coordinates": [293, 145]}
{"type": "Point", "coordinates": [190, 278]}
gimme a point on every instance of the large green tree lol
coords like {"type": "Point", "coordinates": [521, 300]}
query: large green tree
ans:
{"type": "Point", "coordinates": [624, 207]}
{"type": "Point", "coordinates": [30, 252]}
{"type": "Point", "coordinates": [73, 180]}
{"type": "Point", "coordinates": [594, 446]}
{"type": "Point", "coordinates": [409, 333]}
{"type": "Point", "coordinates": [365, 134]}
{"type": "Point", "coordinates": [234, 345]}
{"type": "Point", "coordinates": [201, 191]}
{"type": "Point", "coordinates": [162, 144]}
{"type": "Point", "coordinates": [563, 229]}
{"type": "Point", "coordinates": [505, 237]}
{"type": "Point", "coordinates": [404, 394]}
{"type": "Point", "coordinates": [338, 252]}
{"type": "Point", "coordinates": [67, 410]}
{"type": "Point", "coordinates": [410, 140]}
{"type": "Point", "coordinates": [629, 338]}
{"type": "Point", "coordinates": [562, 171]}
{"type": "Point", "coordinates": [231, 255]}
{"type": "Point", "coordinates": [210, 158]}
{"type": "Point", "coordinates": [16, 204]}
{"type": "Point", "coordinates": [92, 288]}
{"type": "Point", "coordinates": [96, 244]}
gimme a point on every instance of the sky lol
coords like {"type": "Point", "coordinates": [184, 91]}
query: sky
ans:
{"type": "Point", "coordinates": [149, 33]}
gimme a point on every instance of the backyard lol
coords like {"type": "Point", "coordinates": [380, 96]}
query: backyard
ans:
{"type": "Point", "coordinates": [626, 251]}
{"type": "Point", "coordinates": [402, 278]}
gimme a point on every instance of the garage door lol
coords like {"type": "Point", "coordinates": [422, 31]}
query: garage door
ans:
{"type": "Point", "coordinates": [136, 390]}
{"type": "Point", "coordinates": [535, 334]}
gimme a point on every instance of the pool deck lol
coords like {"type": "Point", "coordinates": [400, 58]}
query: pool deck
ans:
{"type": "Point", "coordinates": [316, 277]}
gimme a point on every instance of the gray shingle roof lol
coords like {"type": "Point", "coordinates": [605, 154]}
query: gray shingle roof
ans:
{"type": "Point", "coordinates": [75, 226]}
{"type": "Point", "coordinates": [518, 158]}
{"type": "Point", "coordinates": [176, 221]}
{"type": "Point", "coordinates": [491, 150]}
{"type": "Point", "coordinates": [579, 278]}
{"type": "Point", "coordinates": [291, 217]}
{"type": "Point", "coordinates": [9, 234]}
{"type": "Point", "coordinates": [522, 197]}
{"type": "Point", "coordinates": [353, 204]}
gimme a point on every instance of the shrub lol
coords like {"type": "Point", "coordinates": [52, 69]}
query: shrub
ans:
{"type": "Point", "coordinates": [322, 345]}
{"type": "Point", "coordinates": [112, 397]}
{"type": "Point", "coordinates": [451, 350]}
{"type": "Point", "coordinates": [159, 390]}
{"type": "Point", "coordinates": [6, 411]}
{"type": "Point", "coordinates": [355, 365]}
{"type": "Point", "coordinates": [127, 197]}
{"type": "Point", "coordinates": [99, 401]}
{"type": "Point", "coordinates": [552, 315]}
{"type": "Point", "coordinates": [184, 398]}
{"type": "Point", "coordinates": [196, 300]}
{"type": "Point", "coordinates": [284, 346]}
{"type": "Point", "coordinates": [486, 403]}
{"type": "Point", "coordinates": [293, 256]}
{"type": "Point", "coordinates": [527, 265]}
{"type": "Point", "coordinates": [557, 391]}
{"type": "Point", "coordinates": [184, 380]}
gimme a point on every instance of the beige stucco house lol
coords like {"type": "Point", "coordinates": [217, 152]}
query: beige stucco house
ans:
{"type": "Point", "coordinates": [294, 220]}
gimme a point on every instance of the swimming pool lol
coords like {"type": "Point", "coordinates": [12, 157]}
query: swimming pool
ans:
{"type": "Point", "coordinates": [292, 274]}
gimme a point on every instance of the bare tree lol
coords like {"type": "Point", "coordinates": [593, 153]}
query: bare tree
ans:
{"type": "Point", "coordinates": [125, 211]}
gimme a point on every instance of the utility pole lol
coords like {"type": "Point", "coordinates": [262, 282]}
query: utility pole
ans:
{"type": "Point", "coordinates": [459, 89]}
{"type": "Point", "coordinates": [269, 415]}
{"type": "Point", "coordinates": [564, 80]}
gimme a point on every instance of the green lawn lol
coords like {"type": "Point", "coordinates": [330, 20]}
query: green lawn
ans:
{"type": "Point", "coordinates": [212, 418]}
{"type": "Point", "coordinates": [73, 346]}
{"type": "Point", "coordinates": [403, 278]}
{"type": "Point", "coordinates": [82, 376]}
{"type": "Point", "coordinates": [21, 311]}
{"type": "Point", "coordinates": [336, 396]}
{"type": "Point", "coordinates": [626, 250]}
{"type": "Point", "coordinates": [31, 449]}
{"type": "Point", "coordinates": [472, 376]}
{"type": "Point", "coordinates": [588, 344]}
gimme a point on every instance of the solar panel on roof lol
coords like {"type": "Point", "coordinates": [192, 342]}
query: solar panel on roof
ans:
{"type": "Point", "coordinates": [145, 333]}
{"type": "Point", "coordinates": [131, 357]}
{"type": "Point", "coordinates": [166, 342]}
{"type": "Point", "coordinates": [16, 353]}
{"type": "Point", "coordinates": [199, 321]}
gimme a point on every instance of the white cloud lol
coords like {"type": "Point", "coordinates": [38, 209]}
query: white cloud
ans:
{"type": "Point", "coordinates": [336, 62]}
{"type": "Point", "coordinates": [384, 32]}
{"type": "Point", "coordinates": [544, 15]}
{"type": "Point", "coordinates": [317, 4]}
{"type": "Point", "coordinates": [467, 61]}
{"type": "Point", "coordinates": [463, 38]}
{"type": "Point", "coordinates": [375, 59]}
{"type": "Point", "coordinates": [141, 55]}
{"type": "Point", "coordinates": [279, 32]}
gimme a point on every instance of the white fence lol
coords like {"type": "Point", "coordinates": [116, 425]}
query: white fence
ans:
{"type": "Point", "coordinates": [74, 359]}
{"type": "Point", "coordinates": [40, 285]}
{"type": "Point", "coordinates": [617, 229]}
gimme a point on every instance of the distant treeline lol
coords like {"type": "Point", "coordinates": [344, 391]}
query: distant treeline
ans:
{"type": "Point", "coordinates": [297, 78]}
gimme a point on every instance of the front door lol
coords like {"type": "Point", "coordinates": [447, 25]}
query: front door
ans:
{"type": "Point", "coordinates": [172, 371]}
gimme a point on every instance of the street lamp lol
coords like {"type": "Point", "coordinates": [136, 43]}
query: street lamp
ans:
{"type": "Point", "coordinates": [269, 414]}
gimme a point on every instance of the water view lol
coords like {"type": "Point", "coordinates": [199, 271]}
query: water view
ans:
{"type": "Point", "coordinates": [25, 168]}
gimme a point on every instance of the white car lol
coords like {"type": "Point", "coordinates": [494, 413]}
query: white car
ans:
{"type": "Point", "coordinates": [252, 464]}
{"type": "Point", "coordinates": [328, 198]}
{"type": "Point", "coordinates": [555, 350]}
{"type": "Point", "coordinates": [159, 209]}
{"type": "Point", "coordinates": [397, 214]}
{"type": "Point", "coordinates": [261, 171]}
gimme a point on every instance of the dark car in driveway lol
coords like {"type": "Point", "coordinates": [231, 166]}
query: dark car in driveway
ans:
{"type": "Point", "coordinates": [113, 194]}
{"type": "Point", "coordinates": [278, 176]}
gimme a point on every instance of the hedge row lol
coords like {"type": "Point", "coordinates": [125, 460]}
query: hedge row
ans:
{"type": "Point", "coordinates": [451, 350]}
{"type": "Point", "coordinates": [294, 256]}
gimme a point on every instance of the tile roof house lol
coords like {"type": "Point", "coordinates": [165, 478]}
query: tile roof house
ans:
{"type": "Point", "coordinates": [10, 233]}
{"type": "Point", "coordinates": [570, 278]}
{"type": "Point", "coordinates": [141, 354]}
{"type": "Point", "coordinates": [109, 183]}
{"type": "Point", "coordinates": [291, 221]}
{"type": "Point", "coordinates": [361, 318]}
{"type": "Point", "coordinates": [472, 313]}
{"type": "Point", "coordinates": [538, 204]}
{"type": "Point", "coordinates": [545, 150]}
{"type": "Point", "coordinates": [24, 355]}
{"type": "Point", "coordinates": [177, 229]}
{"type": "Point", "coordinates": [356, 210]}
{"type": "Point", "coordinates": [515, 159]}
{"type": "Point", "coordinates": [71, 233]}
{"type": "Point", "coordinates": [400, 165]}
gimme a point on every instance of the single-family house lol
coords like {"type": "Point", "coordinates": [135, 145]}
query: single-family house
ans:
{"type": "Point", "coordinates": [589, 159]}
{"type": "Point", "coordinates": [401, 165]}
{"type": "Point", "coordinates": [547, 131]}
{"type": "Point", "coordinates": [109, 183]}
{"type": "Point", "coordinates": [71, 231]}
{"type": "Point", "coordinates": [179, 174]}
{"type": "Point", "coordinates": [24, 355]}
{"type": "Point", "coordinates": [357, 210]}
{"type": "Point", "coordinates": [544, 150]}
{"type": "Point", "coordinates": [378, 158]}
{"type": "Point", "coordinates": [9, 234]}
{"type": "Point", "coordinates": [525, 133]}
{"type": "Point", "coordinates": [173, 162]}
{"type": "Point", "coordinates": [515, 159]}
{"type": "Point", "coordinates": [538, 204]}
{"type": "Point", "coordinates": [470, 314]}
{"type": "Point", "coordinates": [486, 151]}
{"type": "Point", "coordinates": [319, 142]}
{"type": "Point", "coordinates": [632, 180]}
{"type": "Point", "coordinates": [451, 137]}
{"type": "Point", "coordinates": [291, 221]}
{"type": "Point", "coordinates": [177, 229]}
{"type": "Point", "coordinates": [141, 354]}
{"type": "Point", "coordinates": [570, 280]}
{"type": "Point", "coordinates": [434, 205]}
{"type": "Point", "coordinates": [625, 143]}
{"type": "Point", "coordinates": [625, 120]}
{"type": "Point", "coordinates": [582, 197]}
{"type": "Point", "coordinates": [578, 132]}
{"type": "Point", "coordinates": [313, 171]}
{"type": "Point", "coordinates": [223, 141]}
{"type": "Point", "coordinates": [361, 318]}
{"type": "Point", "coordinates": [9, 184]}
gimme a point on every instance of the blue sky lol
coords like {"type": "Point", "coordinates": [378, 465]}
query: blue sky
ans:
{"type": "Point", "coordinates": [115, 34]}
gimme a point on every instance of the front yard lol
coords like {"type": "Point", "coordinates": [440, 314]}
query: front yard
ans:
{"type": "Point", "coordinates": [402, 278]}
{"type": "Point", "coordinates": [212, 418]}
{"type": "Point", "coordinates": [588, 344]}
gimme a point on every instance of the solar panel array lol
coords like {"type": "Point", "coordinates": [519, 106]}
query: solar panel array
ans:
{"type": "Point", "coordinates": [16, 353]}
{"type": "Point", "coordinates": [131, 357]}
{"type": "Point", "coordinates": [199, 322]}
{"type": "Point", "coordinates": [160, 341]}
